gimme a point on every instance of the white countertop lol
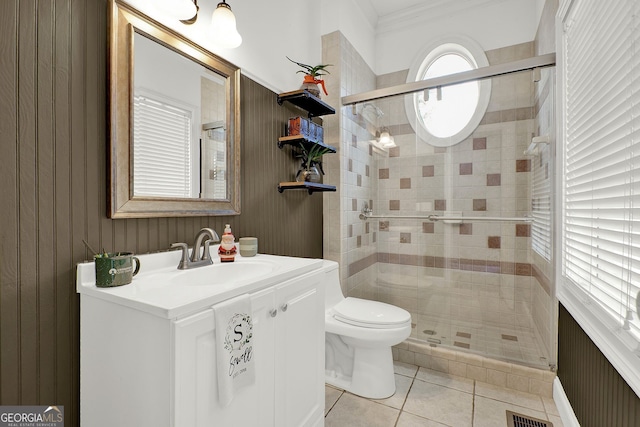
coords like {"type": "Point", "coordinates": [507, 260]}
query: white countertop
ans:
{"type": "Point", "coordinates": [163, 290]}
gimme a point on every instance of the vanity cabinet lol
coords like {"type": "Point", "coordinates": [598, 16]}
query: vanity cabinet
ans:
{"type": "Point", "coordinates": [139, 369]}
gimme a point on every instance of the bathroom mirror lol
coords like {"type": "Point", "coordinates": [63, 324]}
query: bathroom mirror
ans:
{"type": "Point", "coordinates": [174, 123]}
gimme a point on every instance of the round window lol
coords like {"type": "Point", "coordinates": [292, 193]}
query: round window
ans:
{"type": "Point", "coordinates": [446, 116]}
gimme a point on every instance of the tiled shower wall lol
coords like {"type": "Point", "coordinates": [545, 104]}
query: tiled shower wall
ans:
{"type": "Point", "coordinates": [486, 270]}
{"type": "Point", "coordinates": [346, 238]}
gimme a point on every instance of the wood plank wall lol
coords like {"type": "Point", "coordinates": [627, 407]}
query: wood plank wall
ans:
{"type": "Point", "coordinates": [598, 394]}
{"type": "Point", "coordinates": [53, 191]}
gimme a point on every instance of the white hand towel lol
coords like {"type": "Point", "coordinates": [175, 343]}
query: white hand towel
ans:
{"type": "Point", "coordinates": [234, 346]}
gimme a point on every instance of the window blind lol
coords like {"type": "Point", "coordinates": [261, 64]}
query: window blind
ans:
{"type": "Point", "coordinates": [161, 149]}
{"type": "Point", "coordinates": [541, 205]}
{"type": "Point", "coordinates": [601, 168]}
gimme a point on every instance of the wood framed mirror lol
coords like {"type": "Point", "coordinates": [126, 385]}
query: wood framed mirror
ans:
{"type": "Point", "coordinates": [174, 123]}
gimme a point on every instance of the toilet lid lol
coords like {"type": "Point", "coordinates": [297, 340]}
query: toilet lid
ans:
{"type": "Point", "coordinates": [370, 314]}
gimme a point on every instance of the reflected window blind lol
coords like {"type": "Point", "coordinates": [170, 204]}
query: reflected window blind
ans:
{"type": "Point", "coordinates": [161, 149]}
{"type": "Point", "coordinates": [601, 216]}
{"type": "Point", "coordinates": [541, 205]}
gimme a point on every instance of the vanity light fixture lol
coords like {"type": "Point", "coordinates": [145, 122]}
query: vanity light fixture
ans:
{"type": "Point", "coordinates": [223, 24]}
{"type": "Point", "coordinates": [223, 27]}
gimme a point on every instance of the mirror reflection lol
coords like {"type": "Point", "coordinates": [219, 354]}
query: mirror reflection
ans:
{"type": "Point", "coordinates": [174, 123]}
{"type": "Point", "coordinates": [179, 132]}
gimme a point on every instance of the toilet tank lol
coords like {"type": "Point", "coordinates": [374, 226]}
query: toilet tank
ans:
{"type": "Point", "coordinates": [333, 291]}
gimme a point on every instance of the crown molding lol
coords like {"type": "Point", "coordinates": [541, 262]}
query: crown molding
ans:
{"type": "Point", "coordinates": [428, 12]}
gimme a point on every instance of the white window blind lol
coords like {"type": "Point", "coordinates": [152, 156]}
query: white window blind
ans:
{"type": "Point", "coordinates": [161, 149]}
{"type": "Point", "coordinates": [541, 205]}
{"type": "Point", "coordinates": [601, 189]}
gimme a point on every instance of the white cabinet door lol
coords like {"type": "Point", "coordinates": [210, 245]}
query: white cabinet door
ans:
{"type": "Point", "coordinates": [195, 377]}
{"type": "Point", "coordinates": [299, 356]}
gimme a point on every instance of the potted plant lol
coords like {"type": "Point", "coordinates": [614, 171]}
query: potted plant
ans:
{"type": "Point", "coordinates": [311, 74]}
{"type": "Point", "coordinates": [311, 157]}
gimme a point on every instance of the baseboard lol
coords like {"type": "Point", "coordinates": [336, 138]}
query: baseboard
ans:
{"type": "Point", "coordinates": [564, 406]}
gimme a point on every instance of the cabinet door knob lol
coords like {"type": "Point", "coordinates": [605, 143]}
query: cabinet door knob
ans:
{"type": "Point", "coordinates": [273, 312]}
{"type": "Point", "coordinates": [284, 307]}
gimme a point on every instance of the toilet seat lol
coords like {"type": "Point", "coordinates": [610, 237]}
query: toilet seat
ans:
{"type": "Point", "coordinates": [370, 314]}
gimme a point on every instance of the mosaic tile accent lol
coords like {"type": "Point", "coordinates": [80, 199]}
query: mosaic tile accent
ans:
{"type": "Point", "coordinates": [428, 227]}
{"type": "Point", "coordinates": [359, 180]}
{"type": "Point", "coordinates": [479, 143]}
{"type": "Point", "coordinates": [428, 170]}
{"type": "Point", "coordinates": [383, 173]}
{"type": "Point", "coordinates": [358, 266]}
{"type": "Point", "coordinates": [461, 344]}
{"type": "Point", "coordinates": [440, 205]}
{"type": "Point", "coordinates": [491, 117]}
{"type": "Point", "coordinates": [493, 242]}
{"type": "Point", "coordinates": [523, 165]}
{"type": "Point", "coordinates": [350, 230]}
{"type": "Point", "coordinates": [480, 265]}
{"type": "Point", "coordinates": [359, 241]}
{"type": "Point", "coordinates": [350, 167]}
{"type": "Point", "coordinates": [523, 269]}
{"type": "Point", "coordinates": [394, 152]}
{"type": "Point", "coordinates": [383, 226]}
{"type": "Point", "coordinates": [509, 337]}
{"type": "Point", "coordinates": [354, 204]}
{"type": "Point", "coordinates": [366, 170]}
{"type": "Point", "coordinates": [366, 228]}
{"type": "Point", "coordinates": [405, 183]}
{"type": "Point", "coordinates": [466, 168]}
{"type": "Point", "coordinates": [479, 204]}
{"type": "Point", "coordinates": [463, 334]}
{"type": "Point", "coordinates": [523, 230]}
{"type": "Point", "coordinates": [525, 113]}
{"type": "Point", "coordinates": [466, 228]}
{"type": "Point", "coordinates": [405, 237]}
{"type": "Point", "coordinates": [394, 205]}
{"type": "Point", "coordinates": [508, 115]}
{"type": "Point", "coordinates": [493, 179]}
{"type": "Point", "coordinates": [354, 141]}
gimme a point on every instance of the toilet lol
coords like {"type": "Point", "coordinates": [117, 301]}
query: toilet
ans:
{"type": "Point", "coordinates": [359, 335]}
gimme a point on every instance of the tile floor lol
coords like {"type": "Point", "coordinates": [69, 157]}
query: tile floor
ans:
{"type": "Point", "coordinates": [433, 399]}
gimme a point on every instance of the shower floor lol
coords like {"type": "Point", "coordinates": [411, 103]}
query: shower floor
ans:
{"type": "Point", "coordinates": [515, 344]}
{"type": "Point", "coordinates": [483, 313]}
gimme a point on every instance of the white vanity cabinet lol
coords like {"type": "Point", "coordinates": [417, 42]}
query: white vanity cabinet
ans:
{"type": "Point", "coordinates": [289, 357]}
{"type": "Point", "coordinates": [140, 369]}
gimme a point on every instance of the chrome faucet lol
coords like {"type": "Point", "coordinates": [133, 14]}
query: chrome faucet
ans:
{"type": "Point", "coordinates": [206, 236]}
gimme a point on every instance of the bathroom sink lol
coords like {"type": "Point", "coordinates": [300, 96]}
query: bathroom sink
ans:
{"type": "Point", "coordinates": [218, 274]}
{"type": "Point", "coordinates": [164, 290]}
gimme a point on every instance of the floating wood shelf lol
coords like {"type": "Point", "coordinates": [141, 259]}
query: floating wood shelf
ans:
{"type": "Point", "coordinates": [309, 186]}
{"type": "Point", "coordinates": [299, 139]}
{"type": "Point", "coordinates": [305, 100]}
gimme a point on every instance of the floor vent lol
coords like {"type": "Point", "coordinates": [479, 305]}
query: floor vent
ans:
{"type": "Point", "coordinates": [519, 420]}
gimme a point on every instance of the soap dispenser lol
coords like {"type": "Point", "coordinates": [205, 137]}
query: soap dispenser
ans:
{"type": "Point", "coordinates": [227, 250]}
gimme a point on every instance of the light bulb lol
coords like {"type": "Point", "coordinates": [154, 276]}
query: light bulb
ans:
{"type": "Point", "coordinates": [223, 27]}
{"type": "Point", "coordinates": [385, 138]}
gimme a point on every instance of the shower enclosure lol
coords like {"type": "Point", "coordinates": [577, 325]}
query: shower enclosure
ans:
{"type": "Point", "coordinates": [460, 236]}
